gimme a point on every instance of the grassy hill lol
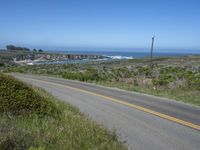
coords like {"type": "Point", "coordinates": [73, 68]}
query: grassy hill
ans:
{"type": "Point", "coordinates": [32, 119]}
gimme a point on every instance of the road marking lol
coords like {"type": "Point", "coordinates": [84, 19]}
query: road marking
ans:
{"type": "Point", "coordinates": [194, 126]}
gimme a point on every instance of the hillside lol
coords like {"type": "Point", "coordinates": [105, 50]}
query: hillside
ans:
{"type": "Point", "coordinates": [31, 119]}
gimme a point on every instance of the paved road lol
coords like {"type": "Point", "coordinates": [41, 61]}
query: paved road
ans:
{"type": "Point", "coordinates": [144, 122]}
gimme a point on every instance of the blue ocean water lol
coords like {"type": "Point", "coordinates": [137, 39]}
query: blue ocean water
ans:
{"type": "Point", "coordinates": [124, 55]}
{"type": "Point", "coordinates": [111, 55]}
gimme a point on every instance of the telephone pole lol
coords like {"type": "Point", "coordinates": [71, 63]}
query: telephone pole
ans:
{"type": "Point", "coordinates": [152, 44]}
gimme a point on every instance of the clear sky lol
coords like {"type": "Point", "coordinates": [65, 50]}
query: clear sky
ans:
{"type": "Point", "coordinates": [61, 24]}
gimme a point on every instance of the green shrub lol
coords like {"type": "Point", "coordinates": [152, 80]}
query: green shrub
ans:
{"type": "Point", "coordinates": [91, 74]}
{"type": "Point", "coordinates": [145, 71]}
{"type": "Point", "coordinates": [14, 138]}
{"type": "Point", "coordinates": [135, 82]}
{"type": "Point", "coordinates": [2, 64]}
{"type": "Point", "coordinates": [159, 82]}
{"type": "Point", "coordinates": [194, 81]}
{"type": "Point", "coordinates": [17, 98]}
{"type": "Point", "coordinates": [73, 76]}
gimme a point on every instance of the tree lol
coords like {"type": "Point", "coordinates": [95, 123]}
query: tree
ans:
{"type": "Point", "coordinates": [40, 50]}
{"type": "Point", "coordinates": [12, 47]}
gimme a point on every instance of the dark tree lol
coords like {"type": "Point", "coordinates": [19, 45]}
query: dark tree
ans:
{"type": "Point", "coordinates": [2, 64]}
{"type": "Point", "coordinates": [40, 50]}
{"type": "Point", "coordinates": [12, 47]}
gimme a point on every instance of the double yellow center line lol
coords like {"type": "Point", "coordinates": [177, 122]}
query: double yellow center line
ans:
{"type": "Point", "coordinates": [191, 125]}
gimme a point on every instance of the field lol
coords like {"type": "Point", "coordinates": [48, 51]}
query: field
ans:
{"type": "Point", "coordinates": [32, 119]}
{"type": "Point", "coordinates": [172, 77]}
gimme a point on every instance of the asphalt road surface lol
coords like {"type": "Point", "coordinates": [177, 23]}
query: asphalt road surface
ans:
{"type": "Point", "coordinates": [144, 122]}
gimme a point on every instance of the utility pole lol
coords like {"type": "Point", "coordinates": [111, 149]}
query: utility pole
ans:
{"type": "Point", "coordinates": [152, 44]}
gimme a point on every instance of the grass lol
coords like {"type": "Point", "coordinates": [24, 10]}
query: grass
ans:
{"type": "Point", "coordinates": [63, 127]}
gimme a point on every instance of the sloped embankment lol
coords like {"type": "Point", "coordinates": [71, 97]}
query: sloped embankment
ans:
{"type": "Point", "coordinates": [33, 119]}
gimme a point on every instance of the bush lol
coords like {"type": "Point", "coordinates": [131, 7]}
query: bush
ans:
{"type": "Point", "coordinates": [14, 138]}
{"type": "Point", "coordinates": [17, 98]}
{"type": "Point", "coordinates": [2, 64]}
{"type": "Point", "coordinates": [159, 82]}
{"type": "Point", "coordinates": [145, 71]}
{"type": "Point", "coordinates": [194, 81]}
{"type": "Point", "coordinates": [91, 74]}
{"type": "Point", "coordinates": [73, 76]}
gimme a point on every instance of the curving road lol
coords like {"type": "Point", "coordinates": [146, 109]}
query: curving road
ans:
{"type": "Point", "coordinates": [144, 122]}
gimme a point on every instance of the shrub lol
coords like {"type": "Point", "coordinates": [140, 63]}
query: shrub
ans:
{"type": "Point", "coordinates": [17, 98]}
{"type": "Point", "coordinates": [194, 81]}
{"type": "Point", "coordinates": [135, 82]}
{"type": "Point", "coordinates": [145, 71]}
{"type": "Point", "coordinates": [73, 76]}
{"type": "Point", "coordinates": [13, 138]}
{"type": "Point", "coordinates": [90, 74]}
{"type": "Point", "coordinates": [2, 64]}
{"type": "Point", "coordinates": [159, 82]}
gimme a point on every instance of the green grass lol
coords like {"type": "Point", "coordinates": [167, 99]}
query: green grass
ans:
{"type": "Point", "coordinates": [63, 127]}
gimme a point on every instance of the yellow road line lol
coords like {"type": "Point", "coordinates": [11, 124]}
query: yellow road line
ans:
{"type": "Point", "coordinates": [194, 126]}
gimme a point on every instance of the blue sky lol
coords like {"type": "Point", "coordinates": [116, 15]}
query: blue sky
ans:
{"type": "Point", "coordinates": [112, 24]}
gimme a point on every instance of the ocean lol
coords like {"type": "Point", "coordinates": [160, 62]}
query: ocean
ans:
{"type": "Point", "coordinates": [125, 55]}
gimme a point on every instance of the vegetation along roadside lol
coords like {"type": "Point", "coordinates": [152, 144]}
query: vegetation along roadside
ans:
{"type": "Point", "coordinates": [30, 118]}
